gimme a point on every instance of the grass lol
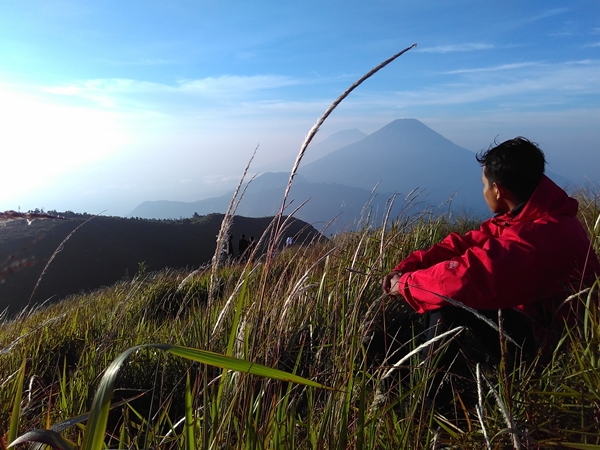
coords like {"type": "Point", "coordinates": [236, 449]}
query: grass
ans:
{"type": "Point", "coordinates": [317, 313]}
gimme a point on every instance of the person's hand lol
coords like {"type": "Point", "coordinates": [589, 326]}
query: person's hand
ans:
{"type": "Point", "coordinates": [389, 285]}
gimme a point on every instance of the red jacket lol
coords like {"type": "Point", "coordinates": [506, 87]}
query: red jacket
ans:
{"type": "Point", "coordinates": [510, 261]}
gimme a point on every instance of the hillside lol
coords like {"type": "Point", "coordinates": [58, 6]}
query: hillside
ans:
{"type": "Point", "coordinates": [316, 312]}
{"type": "Point", "coordinates": [106, 250]}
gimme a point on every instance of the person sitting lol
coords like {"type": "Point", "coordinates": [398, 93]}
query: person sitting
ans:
{"type": "Point", "coordinates": [524, 261]}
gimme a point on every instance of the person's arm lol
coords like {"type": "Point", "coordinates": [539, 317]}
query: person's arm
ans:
{"type": "Point", "coordinates": [503, 273]}
{"type": "Point", "coordinates": [452, 246]}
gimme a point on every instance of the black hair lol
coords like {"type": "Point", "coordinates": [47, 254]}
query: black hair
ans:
{"type": "Point", "coordinates": [516, 164]}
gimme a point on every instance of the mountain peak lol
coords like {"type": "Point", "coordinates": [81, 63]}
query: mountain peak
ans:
{"type": "Point", "coordinates": [404, 121]}
{"type": "Point", "coordinates": [410, 126]}
{"type": "Point", "coordinates": [403, 155]}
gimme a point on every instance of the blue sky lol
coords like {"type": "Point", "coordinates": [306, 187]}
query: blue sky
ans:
{"type": "Point", "coordinates": [106, 104]}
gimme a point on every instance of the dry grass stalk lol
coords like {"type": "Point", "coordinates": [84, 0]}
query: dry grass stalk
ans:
{"type": "Point", "coordinates": [225, 226]}
{"type": "Point", "coordinates": [479, 407]}
{"type": "Point", "coordinates": [313, 131]}
{"type": "Point", "coordinates": [230, 299]}
{"type": "Point", "coordinates": [384, 225]}
{"type": "Point", "coordinates": [295, 291]}
{"type": "Point", "coordinates": [573, 297]}
{"type": "Point", "coordinates": [512, 429]}
{"type": "Point", "coordinates": [453, 331]}
{"type": "Point", "coordinates": [56, 252]}
{"type": "Point", "coordinates": [503, 358]}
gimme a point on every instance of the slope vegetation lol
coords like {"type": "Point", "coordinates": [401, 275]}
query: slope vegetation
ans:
{"type": "Point", "coordinates": [316, 311]}
{"type": "Point", "coordinates": [108, 249]}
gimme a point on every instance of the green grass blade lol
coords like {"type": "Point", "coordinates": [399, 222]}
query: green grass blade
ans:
{"type": "Point", "coordinates": [16, 411]}
{"type": "Point", "coordinates": [48, 437]}
{"type": "Point", "coordinates": [190, 440]}
{"type": "Point", "coordinates": [239, 365]}
{"type": "Point", "coordinates": [238, 313]}
{"type": "Point", "coordinates": [345, 410]}
{"type": "Point", "coordinates": [96, 427]}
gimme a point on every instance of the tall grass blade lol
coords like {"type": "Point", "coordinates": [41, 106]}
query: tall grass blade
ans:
{"type": "Point", "coordinates": [224, 230]}
{"type": "Point", "coordinates": [240, 284]}
{"type": "Point", "coordinates": [479, 407]}
{"type": "Point", "coordinates": [56, 252]}
{"type": "Point", "coordinates": [96, 427]}
{"type": "Point", "coordinates": [508, 418]}
{"type": "Point", "coordinates": [476, 314]}
{"type": "Point", "coordinates": [230, 363]}
{"type": "Point", "coordinates": [190, 441]}
{"type": "Point", "coordinates": [453, 331]}
{"type": "Point", "coordinates": [16, 411]}
{"type": "Point", "coordinates": [48, 437]}
{"type": "Point", "coordinates": [313, 131]}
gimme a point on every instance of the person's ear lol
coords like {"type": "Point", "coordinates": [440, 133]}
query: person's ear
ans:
{"type": "Point", "coordinates": [498, 191]}
{"type": "Point", "coordinates": [501, 192]}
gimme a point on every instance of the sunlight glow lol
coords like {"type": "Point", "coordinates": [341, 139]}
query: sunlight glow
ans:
{"type": "Point", "coordinates": [42, 141]}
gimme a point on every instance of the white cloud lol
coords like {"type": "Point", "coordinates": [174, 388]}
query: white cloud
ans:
{"type": "Point", "coordinates": [204, 86]}
{"type": "Point", "coordinates": [100, 90]}
{"type": "Point", "coordinates": [120, 93]}
{"type": "Point", "coordinates": [142, 62]}
{"type": "Point", "coordinates": [494, 68]}
{"type": "Point", "coordinates": [583, 62]}
{"type": "Point", "coordinates": [561, 34]}
{"type": "Point", "coordinates": [541, 85]}
{"type": "Point", "coordinates": [219, 179]}
{"type": "Point", "coordinates": [234, 83]}
{"type": "Point", "coordinates": [467, 47]}
{"type": "Point", "coordinates": [550, 13]}
{"type": "Point", "coordinates": [523, 20]}
{"type": "Point", "coordinates": [228, 98]}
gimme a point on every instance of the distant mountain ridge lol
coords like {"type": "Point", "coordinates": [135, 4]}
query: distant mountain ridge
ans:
{"type": "Point", "coordinates": [326, 202]}
{"type": "Point", "coordinates": [402, 157]}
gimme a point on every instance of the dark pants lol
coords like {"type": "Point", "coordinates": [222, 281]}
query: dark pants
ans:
{"type": "Point", "coordinates": [479, 342]}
